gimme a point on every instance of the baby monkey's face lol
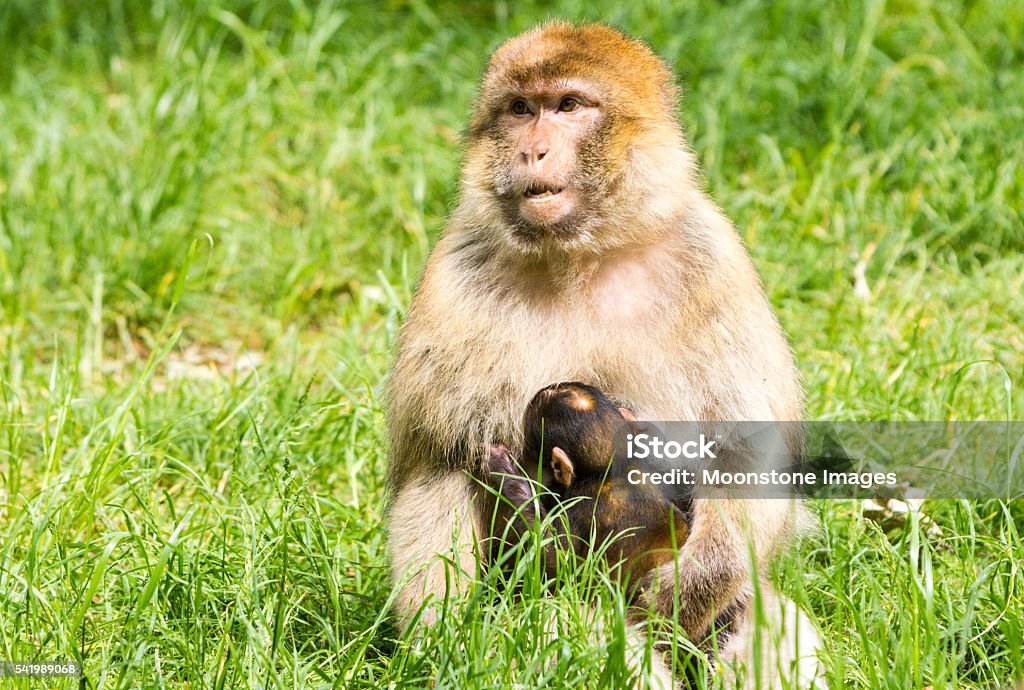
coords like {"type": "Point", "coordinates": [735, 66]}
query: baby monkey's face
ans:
{"type": "Point", "coordinates": [574, 431]}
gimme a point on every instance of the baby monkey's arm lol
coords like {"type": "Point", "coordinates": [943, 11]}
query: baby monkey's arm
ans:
{"type": "Point", "coordinates": [513, 509]}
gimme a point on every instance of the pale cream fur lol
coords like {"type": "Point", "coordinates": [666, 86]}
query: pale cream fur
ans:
{"type": "Point", "coordinates": [780, 653]}
{"type": "Point", "coordinates": [438, 517]}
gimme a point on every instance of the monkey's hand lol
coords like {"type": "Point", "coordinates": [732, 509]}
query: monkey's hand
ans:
{"type": "Point", "coordinates": [501, 474]}
{"type": "Point", "coordinates": [513, 501]}
{"type": "Point", "coordinates": [516, 511]}
{"type": "Point", "coordinates": [700, 587]}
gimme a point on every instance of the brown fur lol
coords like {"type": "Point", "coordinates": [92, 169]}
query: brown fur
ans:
{"type": "Point", "coordinates": [578, 435]}
{"type": "Point", "coordinates": [652, 298]}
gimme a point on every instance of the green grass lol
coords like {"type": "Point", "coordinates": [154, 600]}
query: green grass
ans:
{"type": "Point", "coordinates": [211, 218]}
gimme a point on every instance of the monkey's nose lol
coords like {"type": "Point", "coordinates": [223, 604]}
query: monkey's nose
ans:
{"type": "Point", "coordinates": [534, 155]}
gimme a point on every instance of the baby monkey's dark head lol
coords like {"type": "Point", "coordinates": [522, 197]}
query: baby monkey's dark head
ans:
{"type": "Point", "coordinates": [575, 431]}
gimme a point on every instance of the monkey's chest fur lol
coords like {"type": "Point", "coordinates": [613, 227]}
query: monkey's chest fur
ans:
{"type": "Point", "coordinates": [471, 358]}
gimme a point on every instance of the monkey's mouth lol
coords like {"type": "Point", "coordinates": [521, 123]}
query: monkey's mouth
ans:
{"type": "Point", "coordinates": [543, 205]}
{"type": "Point", "coordinates": [538, 192]}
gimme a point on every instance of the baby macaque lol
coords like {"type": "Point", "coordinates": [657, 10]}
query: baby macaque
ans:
{"type": "Point", "coordinates": [578, 437]}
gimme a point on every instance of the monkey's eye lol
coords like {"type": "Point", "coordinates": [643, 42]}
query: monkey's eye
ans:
{"type": "Point", "coordinates": [568, 104]}
{"type": "Point", "coordinates": [519, 107]}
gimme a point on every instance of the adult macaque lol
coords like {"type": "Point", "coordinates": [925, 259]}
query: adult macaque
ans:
{"type": "Point", "coordinates": [578, 435]}
{"type": "Point", "coordinates": [583, 248]}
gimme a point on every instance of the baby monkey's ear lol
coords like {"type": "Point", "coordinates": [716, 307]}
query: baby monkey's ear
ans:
{"type": "Point", "coordinates": [562, 466]}
{"type": "Point", "coordinates": [628, 414]}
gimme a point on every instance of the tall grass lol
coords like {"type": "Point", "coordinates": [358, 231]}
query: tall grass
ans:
{"type": "Point", "coordinates": [211, 219]}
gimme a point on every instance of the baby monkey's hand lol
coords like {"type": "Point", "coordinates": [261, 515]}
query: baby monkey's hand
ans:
{"type": "Point", "coordinates": [501, 473]}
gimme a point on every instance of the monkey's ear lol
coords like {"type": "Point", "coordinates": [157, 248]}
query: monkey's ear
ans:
{"type": "Point", "coordinates": [561, 465]}
{"type": "Point", "coordinates": [628, 414]}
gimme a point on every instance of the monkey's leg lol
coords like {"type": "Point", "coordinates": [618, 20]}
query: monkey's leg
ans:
{"type": "Point", "coordinates": [434, 540]}
{"type": "Point", "coordinates": [772, 644]}
{"type": "Point", "coordinates": [652, 673]}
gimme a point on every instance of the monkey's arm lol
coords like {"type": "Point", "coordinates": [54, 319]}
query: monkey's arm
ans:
{"type": "Point", "coordinates": [434, 523]}
{"type": "Point", "coordinates": [715, 564]}
{"type": "Point", "coordinates": [513, 509]}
